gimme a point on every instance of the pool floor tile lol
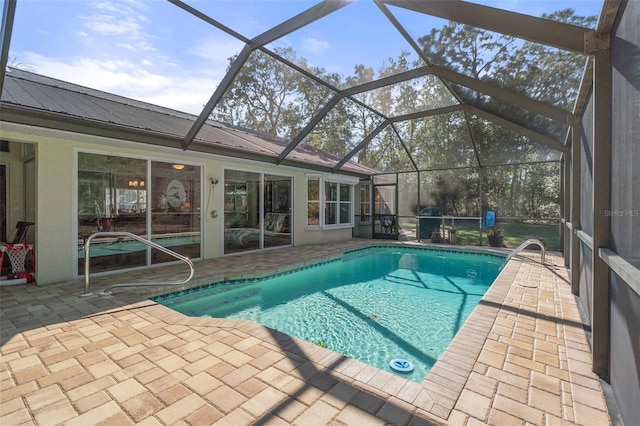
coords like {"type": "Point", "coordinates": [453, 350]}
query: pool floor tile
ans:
{"type": "Point", "coordinates": [522, 357]}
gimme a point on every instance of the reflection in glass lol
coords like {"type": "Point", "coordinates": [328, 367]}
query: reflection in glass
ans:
{"type": "Point", "coordinates": [241, 211]}
{"type": "Point", "coordinates": [175, 210]}
{"type": "Point", "coordinates": [245, 228]}
{"type": "Point", "coordinates": [114, 194]}
{"type": "Point", "coordinates": [277, 207]}
{"type": "Point", "coordinates": [313, 202]}
{"type": "Point", "coordinates": [384, 210]}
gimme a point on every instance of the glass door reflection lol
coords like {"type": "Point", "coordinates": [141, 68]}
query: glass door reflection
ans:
{"type": "Point", "coordinates": [277, 208]}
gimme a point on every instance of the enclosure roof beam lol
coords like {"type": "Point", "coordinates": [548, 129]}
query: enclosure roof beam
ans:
{"type": "Point", "coordinates": [209, 20]}
{"type": "Point", "coordinates": [510, 125]}
{"type": "Point", "coordinates": [308, 16]}
{"type": "Point", "coordinates": [504, 95]}
{"type": "Point", "coordinates": [427, 113]}
{"type": "Point", "coordinates": [474, 144]}
{"type": "Point", "coordinates": [307, 129]}
{"type": "Point", "coordinates": [400, 28]}
{"type": "Point", "coordinates": [538, 30]}
{"type": "Point", "coordinates": [387, 81]}
{"type": "Point", "coordinates": [361, 145]}
{"type": "Point", "coordinates": [395, 130]}
{"type": "Point", "coordinates": [497, 92]}
{"type": "Point", "coordinates": [8, 14]}
{"type": "Point", "coordinates": [226, 82]}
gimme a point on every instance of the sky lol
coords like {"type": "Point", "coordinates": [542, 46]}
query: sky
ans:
{"type": "Point", "coordinates": [153, 51]}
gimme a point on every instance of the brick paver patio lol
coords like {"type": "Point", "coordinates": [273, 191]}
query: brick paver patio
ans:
{"type": "Point", "coordinates": [522, 358]}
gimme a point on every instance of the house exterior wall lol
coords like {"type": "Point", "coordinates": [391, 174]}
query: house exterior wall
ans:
{"type": "Point", "coordinates": [56, 189]}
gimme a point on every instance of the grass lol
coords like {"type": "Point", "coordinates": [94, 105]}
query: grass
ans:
{"type": "Point", "coordinates": [514, 233]}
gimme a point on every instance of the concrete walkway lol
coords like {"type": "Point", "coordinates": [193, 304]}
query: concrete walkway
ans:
{"type": "Point", "coordinates": [521, 358]}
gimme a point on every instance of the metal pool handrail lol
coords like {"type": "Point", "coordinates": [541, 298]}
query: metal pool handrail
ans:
{"type": "Point", "coordinates": [151, 244]}
{"type": "Point", "coordinates": [522, 246]}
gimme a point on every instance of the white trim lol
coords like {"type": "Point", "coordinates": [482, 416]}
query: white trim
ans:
{"type": "Point", "coordinates": [335, 178]}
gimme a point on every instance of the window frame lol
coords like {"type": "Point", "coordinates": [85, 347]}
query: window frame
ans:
{"type": "Point", "coordinates": [148, 175]}
{"type": "Point", "coordinates": [366, 194]}
{"type": "Point", "coordinates": [338, 203]}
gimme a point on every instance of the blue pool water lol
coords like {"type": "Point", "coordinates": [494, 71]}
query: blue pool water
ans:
{"type": "Point", "coordinates": [374, 305]}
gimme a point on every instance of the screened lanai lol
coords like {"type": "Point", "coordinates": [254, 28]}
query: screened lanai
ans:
{"type": "Point", "coordinates": [425, 91]}
{"type": "Point", "coordinates": [450, 107]}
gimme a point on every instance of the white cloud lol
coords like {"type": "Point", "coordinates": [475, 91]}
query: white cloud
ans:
{"type": "Point", "coordinates": [109, 25]}
{"type": "Point", "coordinates": [125, 78]}
{"type": "Point", "coordinates": [117, 19]}
{"type": "Point", "coordinates": [216, 51]}
{"type": "Point", "coordinates": [315, 46]}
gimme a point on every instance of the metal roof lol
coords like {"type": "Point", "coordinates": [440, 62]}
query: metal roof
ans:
{"type": "Point", "coordinates": [32, 92]}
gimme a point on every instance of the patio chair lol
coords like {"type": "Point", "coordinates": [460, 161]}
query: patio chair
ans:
{"type": "Point", "coordinates": [387, 223]}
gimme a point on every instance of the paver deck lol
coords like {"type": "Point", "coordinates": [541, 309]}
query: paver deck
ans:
{"type": "Point", "coordinates": [522, 358]}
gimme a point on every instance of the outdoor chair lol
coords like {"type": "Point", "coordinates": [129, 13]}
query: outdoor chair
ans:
{"type": "Point", "coordinates": [387, 222]}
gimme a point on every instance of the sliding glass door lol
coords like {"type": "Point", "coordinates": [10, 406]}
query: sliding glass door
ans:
{"type": "Point", "coordinates": [157, 200]}
{"type": "Point", "coordinates": [257, 211]}
{"type": "Point", "coordinates": [277, 207]}
{"type": "Point", "coordinates": [241, 211]}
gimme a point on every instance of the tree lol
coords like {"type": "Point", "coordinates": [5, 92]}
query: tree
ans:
{"type": "Point", "coordinates": [540, 72]}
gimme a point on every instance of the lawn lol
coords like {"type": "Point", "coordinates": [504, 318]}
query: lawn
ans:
{"type": "Point", "coordinates": [514, 233]}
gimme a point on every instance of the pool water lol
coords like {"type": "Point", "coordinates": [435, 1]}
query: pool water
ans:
{"type": "Point", "coordinates": [373, 305]}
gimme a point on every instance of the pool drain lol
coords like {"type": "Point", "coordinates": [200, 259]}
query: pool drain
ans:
{"type": "Point", "coordinates": [401, 365]}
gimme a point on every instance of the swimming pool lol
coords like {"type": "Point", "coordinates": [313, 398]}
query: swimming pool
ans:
{"type": "Point", "coordinates": [374, 305]}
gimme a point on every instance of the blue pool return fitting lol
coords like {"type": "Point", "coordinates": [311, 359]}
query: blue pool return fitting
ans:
{"type": "Point", "coordinates": [401, 365]}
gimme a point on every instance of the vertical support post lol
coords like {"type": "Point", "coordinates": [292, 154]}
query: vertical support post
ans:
{"type": "Point", "coordinates": [8, 14]}
{"type": "Point", "coordinates": [601, 205]}
{"type": "Point", "coordinates": [419, 208]}
{"type": "Point", "coordinates": [564, 210]}
{"type": "Point", "coordinates": [480, 204]}
{"type": "Point", "coordinates": [396, 222]}
{"type": "Point", "coordinates": [576, 161]}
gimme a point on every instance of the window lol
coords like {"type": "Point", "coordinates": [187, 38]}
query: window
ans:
{"type": "Point", "coordinates": [334, 199]}
{"type": "Point", "coordinates": [313, 202]}
{"type": "Point", "coordinates": [365, 203]}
